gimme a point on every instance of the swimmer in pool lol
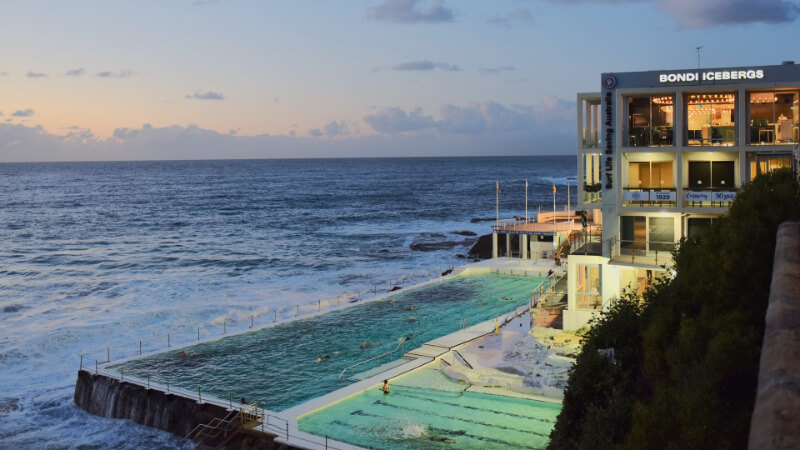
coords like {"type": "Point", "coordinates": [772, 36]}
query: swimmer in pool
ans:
{"type": "Point", "coordinates": [410, 308]}
{"type": "Point", "coordinates": [363, 345]}
{"type": "Point", "coordinates": [413, 319]}
{"type": "Point", "coordinates": [323, 358]}
{"type": "Point", "coordinates": [385, 387]}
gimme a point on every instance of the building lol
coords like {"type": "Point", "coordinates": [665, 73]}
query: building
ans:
{"type": "Point", "coordinates": [661, 154]}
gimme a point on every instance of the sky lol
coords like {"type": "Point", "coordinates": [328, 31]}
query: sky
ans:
{"type": "Point", "coordinates": [214, 79]}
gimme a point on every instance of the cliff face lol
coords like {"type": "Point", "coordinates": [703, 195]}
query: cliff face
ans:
{"type": "Point", "coordinates": [107, 397]}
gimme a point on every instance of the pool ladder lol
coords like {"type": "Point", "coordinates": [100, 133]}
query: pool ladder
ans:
{"type": "Point", "coordinates": [400, 345]}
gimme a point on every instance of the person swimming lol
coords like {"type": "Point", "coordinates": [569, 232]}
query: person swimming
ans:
{"type": "Point", "coordinates": [363, 345]}
{"type": "Point", "coordinates": [323, 358]}
{"type": "Point", "coordinates": [385, 387]}
{"type": "Point", "coordinates": [413, 319]}
{"type": "Point", "coordinates": [410, 308]}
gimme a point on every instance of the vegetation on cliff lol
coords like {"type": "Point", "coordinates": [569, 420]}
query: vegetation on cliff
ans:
{"type": "Point", "coordinates": [685, 358]}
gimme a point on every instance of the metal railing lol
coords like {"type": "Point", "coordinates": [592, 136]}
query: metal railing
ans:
{"type": "Point", "coordinates": [658, 253]}
{"type": "Point", "coordinates": [400, 346]}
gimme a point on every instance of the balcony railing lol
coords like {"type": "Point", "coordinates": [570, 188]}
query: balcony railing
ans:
{"type": "Point", "coordinates": [591, 193]}
{"type": "Point", "coordinates": [587, 243]}
{"type": "Point", "coordinates": [637, 196]}
{"type": "Point", "coordinates": [714, 197]}
{"type": "Point", "coordinates": [653, 253]}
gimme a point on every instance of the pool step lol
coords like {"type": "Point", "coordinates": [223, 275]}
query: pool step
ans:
{"type": "Point", "coordinates": [380, 369]}
{"type": "Point", "coordinates": [428, 351]}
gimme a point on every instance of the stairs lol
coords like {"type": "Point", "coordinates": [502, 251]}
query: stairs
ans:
{"type": "Point", "coordinates": [427, 350]}
{"type": "Point", "coordinates": [219, 432]}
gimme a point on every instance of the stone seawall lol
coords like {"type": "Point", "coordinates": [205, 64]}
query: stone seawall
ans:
{"type": "Point", "coordinates": [776, 416]}
{"type": "Point", "coordinates": [108, 397]}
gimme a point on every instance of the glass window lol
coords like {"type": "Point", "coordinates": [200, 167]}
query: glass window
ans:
{"type": "Point", "coordinates": [662, 233]}
{"type": "Point", "coordinates": [587, 287]}
{"type": "Point", "coordinates": [767, 163]}
{"type": "Point", "coordinates": [711, 119]}
{"type": "Point", "coordinates": [650, 174]}
{"type": "Point", "coordinates": [591, 178]}
{"type": "Point", "coordinates": [711, 175]}
{"type": "Point", "coordinates": [773, 117]}
{"type": "Point", "coordinates": [650, 121]}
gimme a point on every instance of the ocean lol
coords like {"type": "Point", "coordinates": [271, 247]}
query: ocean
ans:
{"type": "Point", "coordinates": [103, 255]}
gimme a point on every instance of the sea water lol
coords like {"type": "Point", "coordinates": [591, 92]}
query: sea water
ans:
{"type": "Point", "coordinates": [99, 256]}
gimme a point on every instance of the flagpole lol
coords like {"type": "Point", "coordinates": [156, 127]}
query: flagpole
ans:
{"type": "Point", "coordinates": [526, 200]}
{"type": "Point", "coordinates": [555, 233]}
{"type": "Point", "coordinates": [497, 201]}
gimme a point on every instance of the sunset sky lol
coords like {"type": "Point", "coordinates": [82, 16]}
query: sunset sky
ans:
{"type": "Point", "coordinates": [192, 79]}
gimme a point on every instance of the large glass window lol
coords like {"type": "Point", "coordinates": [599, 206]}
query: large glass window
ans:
{"type": "Point", "coordinates": [591, 178]}
{"type": "Point", "coordinates": [711, 175]}
{"type": "Point", "coordinates": [587, 287]}
{"type": "Point", "coordinates": [650, 174]}
{"type": "Point", "coordinates": [711, 119]}
{"type": "Point", "coordinates": [774, 117]}
{"type": "Point", "coordinates": [765, 163]}
{"type": "Point", "coordinates": [650, 121]}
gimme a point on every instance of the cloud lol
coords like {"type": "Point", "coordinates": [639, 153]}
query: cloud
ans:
{"type": "Point", "coordinates": [496, 70]}
{"type": "Point", "coordinates": [522, 16]}
{"type": "Point", "coordinates": [407, 12]}
{"type": "Point", "coordinates": [120, 74]}
{"type": "Point", "coordinates": [552, 115]}
{"type": "Point", "coordinates": [35, 74]}
{"type": "Point", "coordinates": [315, 132]}
{"type": "Point", "coordinates": [23, 113]}
{"type": "Point", "coordinates": [396, 120]}
{"type": "Point", "coordinates": [541, 135]}
{"type": "Point", "coordinates": [208, 95]}
{"type": "Point", "coordinates": [425, 65]}
{"type": "Point", "coordinates": [75, 72]}
{"type": "Point", "coordinates": [712, 13]}
{"type": "Point", "coordinates": [335, 128]}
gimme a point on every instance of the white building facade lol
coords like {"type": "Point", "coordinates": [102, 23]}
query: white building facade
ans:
{"type": "Point", "coordinates": [661, 154]}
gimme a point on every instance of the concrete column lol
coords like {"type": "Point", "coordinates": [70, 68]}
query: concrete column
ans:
{"type": "Point", "coordinates": [494, 245]}
{"type": "Point", "coordinates": [508, 244]}
{"type": "Point", "coordinates": [523, 246]}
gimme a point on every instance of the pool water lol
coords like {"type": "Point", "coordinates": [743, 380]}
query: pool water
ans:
{"type": "Point", "coordinates": [285, 365]}
{"type": "Point", "coordinates": [425, 409]}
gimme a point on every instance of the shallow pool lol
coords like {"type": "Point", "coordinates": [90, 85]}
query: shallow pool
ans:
{"type": "Point", "coordinates": [426, 409]}
{"type": "Point", "coordinates": [287, 364]}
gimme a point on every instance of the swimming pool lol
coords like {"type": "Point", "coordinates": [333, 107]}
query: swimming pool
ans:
{"type": "Point", "coordinates": [426, 409]}
{"type": "Point", "coordinates": [287, 364]}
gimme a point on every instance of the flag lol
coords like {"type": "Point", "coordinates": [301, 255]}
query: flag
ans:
{"type": "Point", "coordinates": [498, 186]}
{"type": "Point", "coordinates": [554, 188]}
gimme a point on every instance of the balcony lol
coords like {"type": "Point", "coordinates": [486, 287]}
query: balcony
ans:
{"type": "Point", "coordinates": [655, 197]}
{"type": "Point", "coordinates": [709, 197]}
{"type": "Point", "coordinates": [587, 243]}
{"type": "Point", "coordinates": [646, 253]}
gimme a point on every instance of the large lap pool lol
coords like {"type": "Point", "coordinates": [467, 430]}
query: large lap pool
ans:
{"type": "Point", "coordinates": [425, 409]}
{"type": "Point", "coordinates": [287, 364]}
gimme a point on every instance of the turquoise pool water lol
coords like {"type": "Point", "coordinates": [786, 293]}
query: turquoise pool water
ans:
{"type": "Point", "coordinates": [285, 365]}
{"type": "Point", "coordinates": [425, 409]}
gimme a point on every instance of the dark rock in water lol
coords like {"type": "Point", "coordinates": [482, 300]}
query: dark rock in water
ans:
{"type": "Point", "coordinates": [442, 245]}
{"type": "Point", "coordinates": [383, 250]}
{"type": "Point", "coordinates": [447, 272]}
{"type": "Point", "coordinates": [482, 248]}
{"type": "Point", "coordinates": [9, 404]}
{"type": "Point", "coordinates": [478, 219]}
{"type": "Point", "coordinates": [459, 255]}
{"type": "Point", "coordinates": [396, 288]}
{"type": "Point", "coordinates": [12, 308]}
{"type": "Point", "coordinates": [465, 233]}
